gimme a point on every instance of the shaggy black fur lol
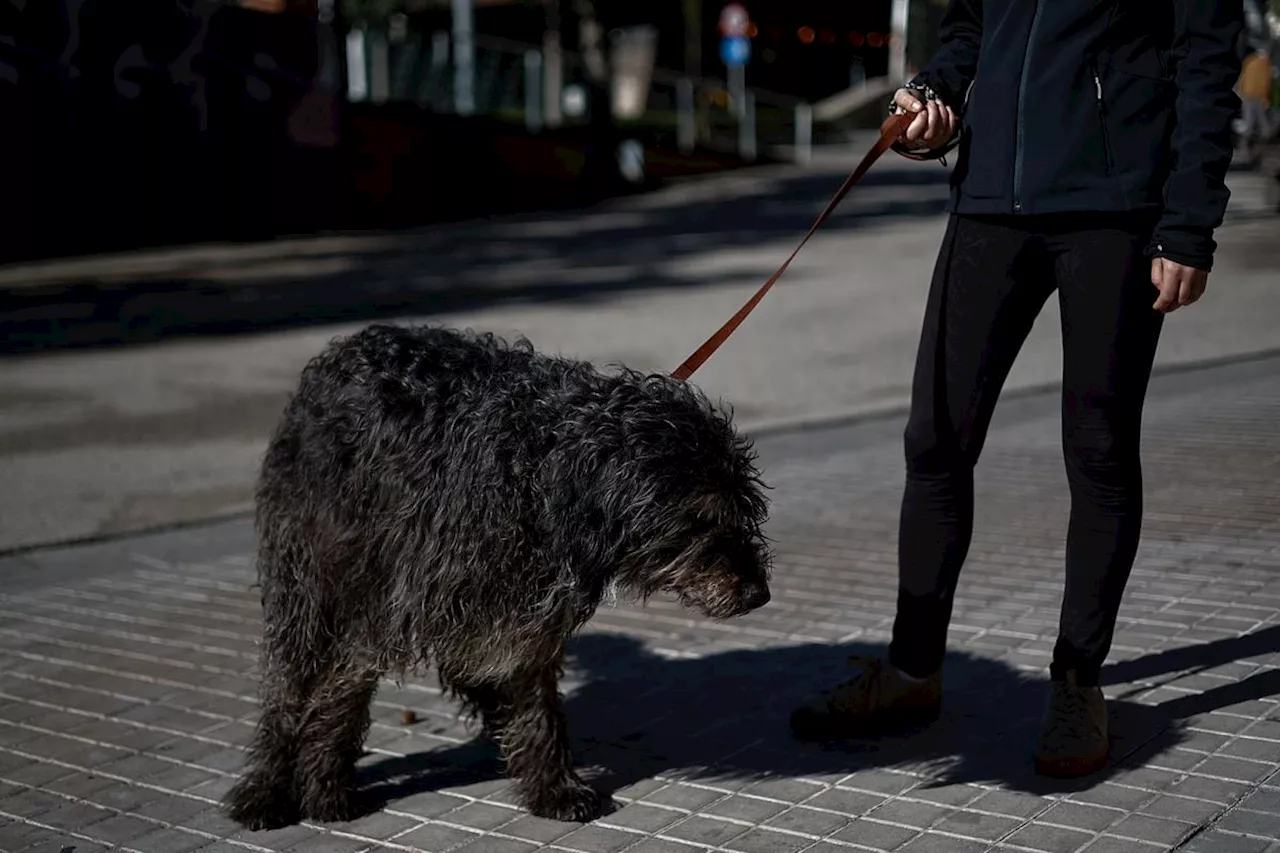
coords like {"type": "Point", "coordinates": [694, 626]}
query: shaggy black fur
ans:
{"type": "Point", "coordinates": [438, 498]}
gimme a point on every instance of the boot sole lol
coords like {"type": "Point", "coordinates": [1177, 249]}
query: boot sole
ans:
{"type": "Point", "coordinates": [1071, 768]}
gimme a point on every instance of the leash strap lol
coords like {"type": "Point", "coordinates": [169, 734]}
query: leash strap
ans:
{"type": "Point", "coordinates": [890, 131]}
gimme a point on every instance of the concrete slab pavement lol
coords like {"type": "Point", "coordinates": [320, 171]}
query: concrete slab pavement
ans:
{"type": "Point", "coordinates": [127, 676]}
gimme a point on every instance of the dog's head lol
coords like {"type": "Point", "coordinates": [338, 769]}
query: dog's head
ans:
{"type": "Point", "coordinates": [709, 554]}
{"type": "Point", "coordinates": [694, 503]}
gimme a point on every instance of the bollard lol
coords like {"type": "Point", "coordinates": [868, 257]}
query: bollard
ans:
{"type": "Point", "coordinates": [804, 133]}
{"type": "Point", "coordinates": [686, 132]}
{"type": "Point", "coordinates": [747, 127]}
{"type": "Point", "coordinates": [464, 58]}
{"type": "Point", "coordinates": [379, 67]}
{"type": "Point", "coordinates": [533, 90]}
{"type": "Point", "coordinates": [357, 67]}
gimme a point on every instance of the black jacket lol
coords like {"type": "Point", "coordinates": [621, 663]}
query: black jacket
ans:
{"type": "Point", "coordinates": [1094, 105]}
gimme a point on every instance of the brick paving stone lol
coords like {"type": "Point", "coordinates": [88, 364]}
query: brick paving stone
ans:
{"type": "Point", "coordinates": [29, 837]}
{"type": "Point", "coordinates": [647, 818]}
{"type": "Point", "coordinates": [973, 825]}
{"type": "Point", "coordinates": [326, 844]}
{"type": "Point", "coordinates": [873, 834]}
{"type": "Point", "coordinates": [596, 839]}
{"type": "Point", "coordinates": [1185, 809]}
{"type": "Point", "coordinates": [935, 843]}
{"type": "Point", "coordinates": [845, 801]}
{"type": "Point", "coordinates": [684, 797]}
{"type": "Point", "coordinates": [1217, 841]}
{"type": "Point", "coordinates": [662, 845]}
{"type": "Point", "coordinates": [427, 805]}
{"type": "Point", "coordinates": [704, 830]}
{"type": "Point", "coordinates": [1148, 828]}
{"type": "Point", "coordinates": [169, 841]}
{"type": "Point", "coordinates": [379, 825]}
{"type": "Point", "coordinates": [1248, 822]}
{"type": "Point", "coordinates": [1108, 844]}
{"type": "Point", "coordinates": [808, 821]}
{"type": "Point", "coordinates": [1263, 800]}
{"type": "Point", "coordinates": [1050, 839]}
{"type": "Point", "coordinates": [918, 815]}
{"type": "Point", "coordinates": [497, 845]}
{"type": "Point", "coordinates": [766, 841]}
{"type": "Point", "coordinates": [121, 829]}
{"type": "Point", "coordinates": [538, 830]}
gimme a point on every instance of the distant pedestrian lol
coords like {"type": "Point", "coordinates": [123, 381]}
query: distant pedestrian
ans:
{"type": "Point", "coordinates": [1093, 142]}
{"type": "Point", "coordinates": [1255, 95]}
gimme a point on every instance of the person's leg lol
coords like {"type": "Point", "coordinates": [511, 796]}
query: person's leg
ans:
{"type": "Point", "coordinates": [989, 287]}
{"type": "Point", "coordinates": [1253, 117]}
{"type": "Point", "coordinates": [1110, 333]}
{"type": "Point", "coordinates": [989, 284]}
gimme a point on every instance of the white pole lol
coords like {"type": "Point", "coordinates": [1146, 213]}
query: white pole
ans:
{"type": "Point", "coordinates": [686, 130]}
{"type": "Point", "coordinates": [898, 22]}
{"type": "Point", "coordinates": [357, 66]}
{"type": "Point", "coordinates": [737, 89]}
{"type": "Point", "coordinates": [533, 90]}
{"type": "Point", "coordinates": [464, 53]}
{"type": "Point", "coordinates": [804, 133]}
{"type": "Point", "coordinates": [747, 127]}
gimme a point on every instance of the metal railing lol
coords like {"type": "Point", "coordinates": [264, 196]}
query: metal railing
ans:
{"type": "Point", "coordinates": [517, 82]}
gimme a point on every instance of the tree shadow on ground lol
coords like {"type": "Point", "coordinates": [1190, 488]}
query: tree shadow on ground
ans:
{"type": "Point", "coordinates": [724, 717]}
{"type": "Point", "coordinates": [598, 253]}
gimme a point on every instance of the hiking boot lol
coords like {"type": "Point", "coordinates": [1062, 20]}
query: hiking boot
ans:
{"type": "Point", "coordinates": [880, 699]}
{"type": "Point", "coordinates": [1074, 740]}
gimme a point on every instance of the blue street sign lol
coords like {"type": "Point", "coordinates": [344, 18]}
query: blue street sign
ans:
{"type": "Point", "coordinates": [735, 50]}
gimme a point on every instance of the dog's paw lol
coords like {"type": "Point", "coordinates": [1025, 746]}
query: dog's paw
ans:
{"type": "Point", "coordinates": [257, 805]}
{"type": "Point", "coordinates": [574, 802]}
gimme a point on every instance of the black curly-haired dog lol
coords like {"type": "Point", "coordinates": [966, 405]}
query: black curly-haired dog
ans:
{"type": "Point", "coordinates": [439, 498]}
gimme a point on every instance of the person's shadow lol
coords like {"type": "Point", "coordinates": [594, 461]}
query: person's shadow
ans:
{"type": "Point", "coordinates": [726, 716]}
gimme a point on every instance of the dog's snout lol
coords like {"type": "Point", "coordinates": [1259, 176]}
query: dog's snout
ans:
{"type": "Point", "coordinates": [755, 595]}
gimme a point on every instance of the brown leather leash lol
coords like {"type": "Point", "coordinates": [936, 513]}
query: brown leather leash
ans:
{"type": "Point", "coordinates": [890, 131]}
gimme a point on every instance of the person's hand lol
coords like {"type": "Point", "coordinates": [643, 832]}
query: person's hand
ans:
{"type": "Point", "coordinates": [932, 127]}
{"type": "Point", "coordinates": [1178, 284]}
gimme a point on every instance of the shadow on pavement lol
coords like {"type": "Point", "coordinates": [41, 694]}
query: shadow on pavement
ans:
{"type": "Point", "coordinates": [613, 249]}
{"type": "Point", "coordinates": [724, 717]}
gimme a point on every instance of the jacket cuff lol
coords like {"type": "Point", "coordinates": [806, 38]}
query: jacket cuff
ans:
{"type": "Point", "coordinates": [932, 81]}
{"type": "Point", "coordinates": [1190, 249]}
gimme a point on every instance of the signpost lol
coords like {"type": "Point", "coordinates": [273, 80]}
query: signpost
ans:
{"type": "Point", "coordinates": [464, 57]}
{"type": "Point", "coordinates": [735, 51]}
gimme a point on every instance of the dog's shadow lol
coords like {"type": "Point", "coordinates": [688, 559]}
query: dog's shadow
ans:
{"type": "Point", "coordinates": [725, 716]}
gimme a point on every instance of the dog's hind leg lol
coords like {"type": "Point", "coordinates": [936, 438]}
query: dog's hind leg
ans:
{"type": "Point", "coordinates": [535, 745]}
{"type": "Point", "coordinates": [331, 740]}
{"type": "Point", "coordinates": [266, 796]}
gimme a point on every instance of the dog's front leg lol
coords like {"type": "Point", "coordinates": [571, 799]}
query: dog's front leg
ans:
{"type": "Point", "coordinates": [535, 745]}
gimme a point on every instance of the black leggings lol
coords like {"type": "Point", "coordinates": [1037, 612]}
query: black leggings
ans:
{"type": "Point", "coordinates": [993, 276]}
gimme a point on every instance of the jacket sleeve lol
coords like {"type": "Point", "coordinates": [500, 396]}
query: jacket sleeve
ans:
{"type": "Point", "coordinates": [953, 66]}
{"type": "Point", "coordinates": [1208, 66]}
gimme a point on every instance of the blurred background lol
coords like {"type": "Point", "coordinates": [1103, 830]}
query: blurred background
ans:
{"type": "Point", "coordinates": [198, 194]}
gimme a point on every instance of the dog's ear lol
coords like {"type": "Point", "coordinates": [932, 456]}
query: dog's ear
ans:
{"type": "Point", "coordinates": [712, 508]}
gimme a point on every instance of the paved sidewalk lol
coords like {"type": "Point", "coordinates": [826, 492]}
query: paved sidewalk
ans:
{"type": "Point", "coordinates": [127, 676]}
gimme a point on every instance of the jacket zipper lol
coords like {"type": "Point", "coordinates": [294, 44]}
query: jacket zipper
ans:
{"type": "Point", "coordinates": [1022, 98]}
{"type": "Point", "coordinates": [1102, 120]}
